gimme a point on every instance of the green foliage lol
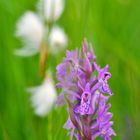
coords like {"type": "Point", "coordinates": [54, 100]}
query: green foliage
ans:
{"type": "Point", "coordinates": [113, 26]}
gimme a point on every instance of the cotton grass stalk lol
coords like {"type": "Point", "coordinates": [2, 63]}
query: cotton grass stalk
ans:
{"type": "Point", "coordinates": [34, 29]}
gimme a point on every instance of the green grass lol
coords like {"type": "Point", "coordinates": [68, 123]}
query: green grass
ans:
{"type": "Point", "coordinates": [113, 26]}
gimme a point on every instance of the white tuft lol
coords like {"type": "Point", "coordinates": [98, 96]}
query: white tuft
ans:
{"type": "Point", "coordinates": [51, 9]}
{"type": "Point", "coordinates": [30, 30]}
{"type": "Point", "coordinates": [57, 40]}
{"type": "Point", "coordinates": [26, 51]}
{"type": "Point", "coordinates": [43, 97]}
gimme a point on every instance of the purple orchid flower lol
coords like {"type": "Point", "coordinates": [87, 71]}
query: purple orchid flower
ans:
{"type": "Point", "coordinates": [85, 95]}
{"type": "Point", "coordinates": [85, 106]}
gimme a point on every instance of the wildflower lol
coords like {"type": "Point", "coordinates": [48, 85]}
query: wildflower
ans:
{"type": "Point", "coordinates": [85, 94]}
{"type": "Point", "coordinates": [43, 96]}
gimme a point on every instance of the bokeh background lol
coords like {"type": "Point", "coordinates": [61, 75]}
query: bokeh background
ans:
{"type": "Point", "coordinates": [113, 26]}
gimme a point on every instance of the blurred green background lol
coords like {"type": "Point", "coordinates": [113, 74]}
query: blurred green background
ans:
{"type": "Point", "coordinates": [113, 26]}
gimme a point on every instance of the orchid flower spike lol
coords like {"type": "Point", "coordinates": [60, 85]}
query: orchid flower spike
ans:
{"type": "Point", "coordinates": [85, 94]}
{"type": "Point", "coordinates": [43, 97]}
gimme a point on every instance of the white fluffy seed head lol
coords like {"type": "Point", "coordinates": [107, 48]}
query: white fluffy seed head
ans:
{"type": "Point", "coordinates": [57, 40]}
{"type": "Point", "coordinates": [30, 30]}
{"type": "Point", "coordinates": [43, 97]}
{"type": "Point", "coordinates": [51, 9]}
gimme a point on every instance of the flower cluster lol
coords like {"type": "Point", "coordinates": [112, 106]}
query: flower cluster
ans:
{"type": "Point", "coordinates": [85, 89]}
